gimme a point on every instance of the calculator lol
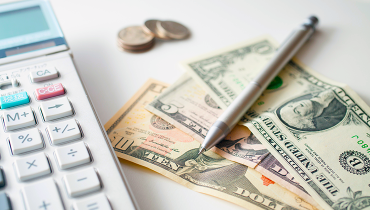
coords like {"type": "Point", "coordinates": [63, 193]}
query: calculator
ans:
{"type": "Point", "coordinates": [54, 152]}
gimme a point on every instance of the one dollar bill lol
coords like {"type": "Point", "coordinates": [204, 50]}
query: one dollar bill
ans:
{"type": "Point", "coordinates": [146, 139]}
{"type": "Point", "coordinates": [226, 72]}
{"type": "Point", "coordinates": [319, 130]}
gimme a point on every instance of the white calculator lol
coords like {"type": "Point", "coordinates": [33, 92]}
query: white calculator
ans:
{"type": "Point", "coordinates": [54, 153]}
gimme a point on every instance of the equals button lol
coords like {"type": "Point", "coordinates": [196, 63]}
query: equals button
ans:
{"type": "Point", "coordinates": [98, 202]}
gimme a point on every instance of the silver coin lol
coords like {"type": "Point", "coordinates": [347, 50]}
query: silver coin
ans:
{"type": "Point", "coordinates": [150, 26]}
{"type": "Point", "coordinates": [134, 36]}
{"type": "Point", "coordinates": [173, 29]}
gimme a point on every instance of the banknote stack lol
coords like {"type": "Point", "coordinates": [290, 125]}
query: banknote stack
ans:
{"type": "Point", "coordinates": [142, 38]}
{"type": "Point", "coordinates": [277, 157]}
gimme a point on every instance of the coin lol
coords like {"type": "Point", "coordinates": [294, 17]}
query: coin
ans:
{"type": "Point", "coordinates": [136, 51]}
{"type": "Point", "coordinates": [135, 48]}
{"type": "Point", "coordinates": [150, 26]}
{"type": "Point", "coordinates": [138, 39]}
{"type": "Point", "coordinates": [134, 36]}
{"type": "Point", "coordinates": [173, 29]}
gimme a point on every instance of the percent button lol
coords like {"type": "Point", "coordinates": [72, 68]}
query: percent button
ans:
{"type": "Point", "coordinates": [25, 141]}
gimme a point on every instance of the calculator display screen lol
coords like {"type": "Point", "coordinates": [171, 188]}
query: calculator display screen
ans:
{"type": "Point", "coordinates": [28, 26]}
{"type": "Point", "coordinates": [23, 21]}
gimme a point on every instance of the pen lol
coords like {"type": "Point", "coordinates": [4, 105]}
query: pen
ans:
{"type": "Point", "coordinates": [231, 116]}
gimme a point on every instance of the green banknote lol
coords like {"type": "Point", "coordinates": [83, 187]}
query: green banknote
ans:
{"type": "Point", "coordinates": [223, 74]}
{"type": "Point", "coordinates": [189, 108]}
{"type": "Point", "coordinates": [146, 139]}
{"type": "Point", "coordinates": [318, 129]}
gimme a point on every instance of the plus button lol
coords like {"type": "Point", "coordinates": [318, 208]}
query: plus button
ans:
{"type": "Point", "coordinates": [44, 205]}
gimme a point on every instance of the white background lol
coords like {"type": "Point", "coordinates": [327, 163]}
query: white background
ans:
{"type": "Point", "coordinates": [339, 50]}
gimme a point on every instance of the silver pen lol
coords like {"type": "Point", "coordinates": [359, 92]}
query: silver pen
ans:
{"type": "Point", "coordinates": [232, 115]}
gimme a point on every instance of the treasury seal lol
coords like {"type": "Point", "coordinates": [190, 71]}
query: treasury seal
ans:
{"type": "Point", "coordinates": [355, 162]}
{"type": "Point", "coordinates": [159, 123]}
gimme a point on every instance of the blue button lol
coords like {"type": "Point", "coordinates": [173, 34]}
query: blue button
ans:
{"type": "Point", "coordinates": [4, 202]}
{"type": "Point", "coordinates": [14, 100]}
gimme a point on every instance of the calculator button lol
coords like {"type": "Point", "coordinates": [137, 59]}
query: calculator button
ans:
{"type": "Point", "coordinates": [4, 202]}
{"type": "Point", "coordinates": [56, 108]}
{"type": "Point", "coordinates": [2, 179]}
{"type": "Point", "coordinates": [7, 81]}
{"type": "Point", "coordinates": [93, 203]}
{"type": "Point", "coordinates": [32, 167]}
{"type": "Point", "coordinates": [42, 75]}
{"type": "Point", "coordinates": [64, 131]}
{"type": "Point", "coordinates": [42, 195]}
{"type": "Point", "coordinates": [18, 118]}
{"type": "Point", "coordinates": [72, 155]}
{"type": "Point", "coordinates": [25, 141]}
{"type": "Point", "coordinates": [49, 91]}
{"type": "Point", "coordinates": [82, 182]}
{"type": "Point", "coordinates": [14, 100]}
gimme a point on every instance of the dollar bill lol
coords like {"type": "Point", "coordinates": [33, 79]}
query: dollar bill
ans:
{"type": "Point", "coordinates": [274, 170]}
{"type": "Point", "coordinates": [319, 130]}
{"type": "Point", "coordinates": [143, 138]}
{"type": "Point", "coordinates": [188, 107]}
{"type": "Point", "coordinates": [224, 73]}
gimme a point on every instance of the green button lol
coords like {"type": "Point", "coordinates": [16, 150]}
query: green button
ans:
{"type": "Point", "coordinates": [14, 100]}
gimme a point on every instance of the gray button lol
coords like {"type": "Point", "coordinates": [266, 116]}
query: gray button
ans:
{"type": "Point", "coordinates": [4, 202]}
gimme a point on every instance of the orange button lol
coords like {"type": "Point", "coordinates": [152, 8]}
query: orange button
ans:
{"type": "Point", "coordinates": [50, 91]}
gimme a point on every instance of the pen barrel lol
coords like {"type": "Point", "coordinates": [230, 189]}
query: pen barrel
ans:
{"type": "Point", "coordinates": [240, 105]}
{"type": "Point", "coordinates": [232, 115]}
{"type": "Point", "coordinates": [282, 56]}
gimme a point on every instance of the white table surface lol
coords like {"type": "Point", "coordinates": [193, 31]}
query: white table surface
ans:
{"type": "Point", "coordinates": [340, 50]}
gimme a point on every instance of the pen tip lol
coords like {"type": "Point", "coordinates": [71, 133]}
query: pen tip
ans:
{"type": "Point", "coordinates": [201, 150]}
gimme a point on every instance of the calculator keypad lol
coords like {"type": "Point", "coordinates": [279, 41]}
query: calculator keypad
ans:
{"type": "Point", "coordinates": [46, 158]}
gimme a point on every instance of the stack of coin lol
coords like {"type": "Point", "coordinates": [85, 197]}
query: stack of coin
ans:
{"type": "Point", "coordinates": [134, 39]}
{"type": "Point", "coordinates": [141, 38]}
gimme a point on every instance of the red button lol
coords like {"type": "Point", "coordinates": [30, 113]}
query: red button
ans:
{"type": "Point", "coordinates": [49, 91]}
